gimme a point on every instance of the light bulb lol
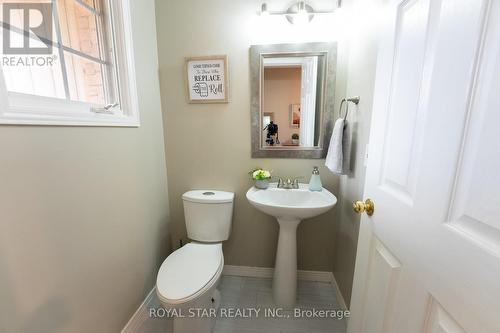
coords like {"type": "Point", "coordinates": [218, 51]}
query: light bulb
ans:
{"type": "Point", "coordinates": [263, 10]}
{"type": "Point", "coordinates": [302, 16]}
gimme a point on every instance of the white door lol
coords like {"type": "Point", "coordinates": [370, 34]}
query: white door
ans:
{"type": "Point", "coordinates": [429, 257]}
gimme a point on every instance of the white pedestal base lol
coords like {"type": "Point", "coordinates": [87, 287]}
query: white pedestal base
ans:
{"type": "Point", "coordinates": [285, 270]}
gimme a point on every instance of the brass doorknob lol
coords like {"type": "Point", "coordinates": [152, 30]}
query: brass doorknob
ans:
{"type": "Point", "coordinates": [368, 206]}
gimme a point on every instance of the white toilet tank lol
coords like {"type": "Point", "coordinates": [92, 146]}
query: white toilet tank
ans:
{"type": "Point", "coordinates": [208, 214]}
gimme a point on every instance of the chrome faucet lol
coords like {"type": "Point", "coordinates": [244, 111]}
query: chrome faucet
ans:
{"type": "Point", "coordinates": [288, 183]}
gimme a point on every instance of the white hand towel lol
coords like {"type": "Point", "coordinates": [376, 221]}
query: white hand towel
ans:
{"type": "Point", "coordinates": [339, 151]}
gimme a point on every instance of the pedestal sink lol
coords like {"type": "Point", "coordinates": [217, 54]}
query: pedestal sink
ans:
{"type": "Point", "coordinates": [290, 207]}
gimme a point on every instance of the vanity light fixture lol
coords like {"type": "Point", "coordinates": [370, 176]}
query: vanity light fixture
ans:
{"type": "Point", "coordinates": [300, 13]}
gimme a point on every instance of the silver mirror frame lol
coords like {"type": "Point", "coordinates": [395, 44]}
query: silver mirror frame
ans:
{"type": "Point", "coordinates": [257, 54]}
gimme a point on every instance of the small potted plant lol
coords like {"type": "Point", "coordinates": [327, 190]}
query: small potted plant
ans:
{"type": "Point", "coordinates": [295, 138]}
{"type": "Point", "coordinates": [261, 178]}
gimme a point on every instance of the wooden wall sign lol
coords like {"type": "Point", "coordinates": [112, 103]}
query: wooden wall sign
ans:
{"type": "Point", "coordinates": [207, 79]}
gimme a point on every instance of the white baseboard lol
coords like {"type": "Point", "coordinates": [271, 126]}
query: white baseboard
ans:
{"type": "Point", "coordinates": [267, 272]}
{"type": "Point", "coordinates": [140, 315]}
{"type": "Point", "coordinates": [248, 271]}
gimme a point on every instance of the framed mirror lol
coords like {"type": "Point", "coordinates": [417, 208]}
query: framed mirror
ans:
{"type": "Point", "coordinates": [292, 99]}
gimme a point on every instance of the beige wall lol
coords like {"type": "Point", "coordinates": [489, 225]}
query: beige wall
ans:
{"type": "Point", "coordinates": [208, 146]}
{"type": "Point", "coordinates": [282, 88]}
{"type": "Point", "coordinates": [84, 211]}
{"type": "Point", "coordinates": [361, 74]}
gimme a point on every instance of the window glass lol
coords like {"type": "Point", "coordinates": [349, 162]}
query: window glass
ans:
{"type": "Point", "coordinates": [79, 29]}
{"type": "Point", "coordinates": [85, 79]}
{"type": "Point", "coordinates": [80, 66]}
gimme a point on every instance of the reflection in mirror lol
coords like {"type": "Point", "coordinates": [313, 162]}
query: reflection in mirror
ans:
{"type": "Point", "coordinates": [292, 98]}
{"type": "Point", "coordinates": [291, 101]}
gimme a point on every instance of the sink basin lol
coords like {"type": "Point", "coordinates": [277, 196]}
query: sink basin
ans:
{"type": "Point", "coordinates": [295, 203]}
{"type": "Point", "coordinates": [290, 207]}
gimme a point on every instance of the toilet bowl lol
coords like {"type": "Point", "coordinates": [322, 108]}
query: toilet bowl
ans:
{"type": "Point", "coordinates": [187, 282]}
{"type": "Point", "coordinates": [188, 278]}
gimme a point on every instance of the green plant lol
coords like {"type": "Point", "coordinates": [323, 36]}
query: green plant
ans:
{"type": "Point", "coordinates": [260, 174]}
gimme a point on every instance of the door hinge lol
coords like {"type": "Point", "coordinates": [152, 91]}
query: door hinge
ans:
{"type": "Point", "coordinates": [365, 160]}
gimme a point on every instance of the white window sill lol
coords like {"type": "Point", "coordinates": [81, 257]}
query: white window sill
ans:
{"type": "Point", "coordinates": [26, 109]}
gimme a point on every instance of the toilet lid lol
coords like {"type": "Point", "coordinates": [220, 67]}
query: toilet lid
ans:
{"type": "Point", "coordinates": [208, 196]}
{"type": "Point", "coordinates": [188, 270]}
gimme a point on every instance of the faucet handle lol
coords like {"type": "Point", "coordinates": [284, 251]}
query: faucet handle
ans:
{"type": "Point", "coordinates": [280, 182]}
{"type": "Point", "coordinates": [296, 181]}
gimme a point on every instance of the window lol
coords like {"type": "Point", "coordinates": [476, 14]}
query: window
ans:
{"type": "Point", "coordinates": [67, 62]}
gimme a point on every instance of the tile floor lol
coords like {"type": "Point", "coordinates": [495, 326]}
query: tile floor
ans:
{"type": "Point", "coordinates": [245, 292]}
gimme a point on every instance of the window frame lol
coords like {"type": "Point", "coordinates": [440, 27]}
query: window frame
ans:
{"type": "Point", "coordinates": [27, 109]}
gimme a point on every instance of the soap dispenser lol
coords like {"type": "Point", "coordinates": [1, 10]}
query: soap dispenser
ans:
{"type": "Point", "coordinates": [315, 182]}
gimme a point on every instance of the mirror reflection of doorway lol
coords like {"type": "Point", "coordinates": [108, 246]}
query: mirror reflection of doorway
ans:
{"type": "Point", "coordinates": [282, 85]}
{"type": "Point", "coordinates": [290, 93]}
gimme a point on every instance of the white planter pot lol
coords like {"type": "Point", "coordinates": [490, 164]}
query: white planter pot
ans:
{"type": "Point", "coordinates": [262, 184]}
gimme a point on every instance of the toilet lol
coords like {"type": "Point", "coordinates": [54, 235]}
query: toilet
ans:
{"type": "Point", "coordinates": [187, 280]}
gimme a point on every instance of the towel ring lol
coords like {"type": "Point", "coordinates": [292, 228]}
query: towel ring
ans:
{"type": "Point", "coordinates": [346, 109]}
{"type": "Point", "coordinates": [354, 100]}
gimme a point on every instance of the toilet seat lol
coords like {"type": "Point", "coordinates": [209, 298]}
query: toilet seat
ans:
{"type": "Point", "coordinates": [189, 271]}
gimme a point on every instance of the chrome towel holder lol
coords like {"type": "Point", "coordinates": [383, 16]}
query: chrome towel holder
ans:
{"type": "Point", "coordinates": [354, 100]}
